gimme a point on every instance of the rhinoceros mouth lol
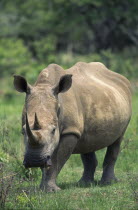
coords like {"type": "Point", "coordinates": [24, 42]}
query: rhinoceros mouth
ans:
{"type": "Point", "coordinates": [34, 163]}
{"type": "Point", "coordinates": [43, 163]}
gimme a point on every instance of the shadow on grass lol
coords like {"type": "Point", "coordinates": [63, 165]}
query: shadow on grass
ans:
{"type": "Point", "coordinates": [96, 183]}
{"type": "Point", "coordinates": [65, 186]}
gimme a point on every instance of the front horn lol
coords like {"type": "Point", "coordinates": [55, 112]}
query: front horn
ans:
{"type": "Point", "coordinates": [31, 136]}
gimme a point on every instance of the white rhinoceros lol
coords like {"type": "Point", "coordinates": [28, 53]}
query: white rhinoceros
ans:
{"type": "Point", "coordinates": [77, 111]}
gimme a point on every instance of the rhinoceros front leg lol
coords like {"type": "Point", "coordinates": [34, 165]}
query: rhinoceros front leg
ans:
{"type": "Point", "coordinates": [89, 162]}
{"type": "Point", "coordinates": [109, 162]}
{"type": "Point", "coordinates": [59, 157]}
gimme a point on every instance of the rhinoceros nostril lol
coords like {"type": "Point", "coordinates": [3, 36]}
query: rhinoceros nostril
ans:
{"type": "Point", "coordinates": [48, 157]}
{"type": "Point", "coordinates": [48, 160]}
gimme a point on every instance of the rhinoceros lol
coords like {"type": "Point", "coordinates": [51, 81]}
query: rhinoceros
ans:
{"type": "Point", "coordinates": [75, 111]}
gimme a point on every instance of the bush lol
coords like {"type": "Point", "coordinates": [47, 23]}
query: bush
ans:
{"type": "Point", "coordinates": [45, 49]}
{"type": "Point", "coordinates": [16, 59]}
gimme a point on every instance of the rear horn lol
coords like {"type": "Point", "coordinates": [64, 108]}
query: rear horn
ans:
{"type": "Point", "coordinates": [36, 123]}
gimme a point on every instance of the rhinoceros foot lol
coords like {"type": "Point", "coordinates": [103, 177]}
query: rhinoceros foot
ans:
{"type": "Point", "coordinates": [108, 181]}
{"type": "Point", "coordinates": [50, 188]}
{"type": "Point", "coordinates": [85, 182]}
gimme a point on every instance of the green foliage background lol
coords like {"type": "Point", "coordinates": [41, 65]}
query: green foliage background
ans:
{"type": "Point", "coordinates": [36, 33]}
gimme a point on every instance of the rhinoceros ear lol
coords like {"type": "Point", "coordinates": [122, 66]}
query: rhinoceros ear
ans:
{"type": "Point", "coordinates": [21, 84]}
{"type": "Point", "coordinates": [64, 84]}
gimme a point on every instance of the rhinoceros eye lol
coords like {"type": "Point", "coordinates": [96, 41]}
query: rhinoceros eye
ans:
{"type": "Point", "coordinates": [53, 131]}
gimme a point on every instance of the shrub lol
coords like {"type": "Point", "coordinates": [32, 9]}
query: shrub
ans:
{"type": "Point", "coordinates": [15, 58]}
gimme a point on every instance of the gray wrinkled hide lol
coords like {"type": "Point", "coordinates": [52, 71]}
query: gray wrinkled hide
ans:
{"type": "Point", "coordinates": [94, 113]}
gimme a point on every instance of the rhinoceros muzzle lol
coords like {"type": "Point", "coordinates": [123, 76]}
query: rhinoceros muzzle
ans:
{"type": "Point", "coordinates": [46, 162]}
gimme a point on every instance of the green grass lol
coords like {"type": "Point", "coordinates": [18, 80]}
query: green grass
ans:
{"type": "Point", "coordinates": [23, 187]}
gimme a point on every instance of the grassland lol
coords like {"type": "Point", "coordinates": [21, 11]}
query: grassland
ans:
{"type": "Point", "coordinates": [19, 188]}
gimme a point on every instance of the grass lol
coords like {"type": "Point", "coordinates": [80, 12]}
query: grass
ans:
{"type": "Point", "coordinates": [19, 188]}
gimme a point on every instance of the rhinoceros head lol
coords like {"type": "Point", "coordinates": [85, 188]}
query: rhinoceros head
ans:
{"type": "Point", "coordinates": [41, 119]}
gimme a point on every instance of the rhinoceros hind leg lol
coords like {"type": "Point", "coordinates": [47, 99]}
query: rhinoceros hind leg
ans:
{"type": "Point", "coordinates": [89, 162]}
{"type": "Point", "coordinates": [112, 152]}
